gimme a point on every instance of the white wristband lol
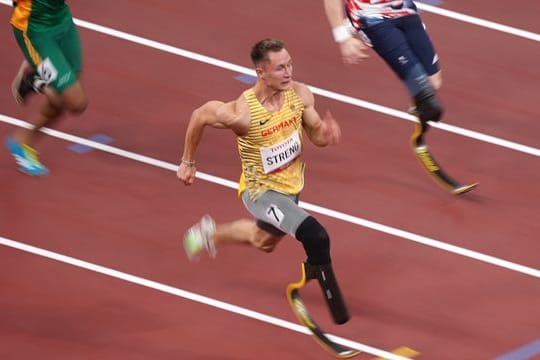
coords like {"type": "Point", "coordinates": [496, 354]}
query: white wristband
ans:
{"type": "Point", "coordinates": [341, 33]}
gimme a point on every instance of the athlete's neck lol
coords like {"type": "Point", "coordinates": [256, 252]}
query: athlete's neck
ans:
{"type": "Point", "coordinates": [270, 99]}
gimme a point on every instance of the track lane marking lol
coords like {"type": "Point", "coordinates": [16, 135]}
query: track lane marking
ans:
{"type": "Point", "coordinates": [528, 351]}
{"type": "Point", "coordinates": [189, 295]}
{"type": "Point", "coordinates": [318, 91]}
{"type": "Point", "coordinates": [479, 22]}
{"type": "Point", "coordinates": [311, 207]}
{"type": "Point", "coordinates": [455, 16]}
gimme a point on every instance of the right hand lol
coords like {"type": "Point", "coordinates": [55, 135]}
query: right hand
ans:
{"type": "Point", "coordinates": [353, 50]}
{"type": "Point", "coordinates": [186, 173]}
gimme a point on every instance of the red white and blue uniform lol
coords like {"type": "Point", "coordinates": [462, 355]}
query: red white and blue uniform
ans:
{"type": "Point", "coordinates": [395, 31]}
{"type": "Point", "coordinates": [364, 13]}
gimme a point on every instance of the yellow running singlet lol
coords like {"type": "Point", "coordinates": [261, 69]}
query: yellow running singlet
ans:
{"type": "Point", "coordinates": [270, 152]}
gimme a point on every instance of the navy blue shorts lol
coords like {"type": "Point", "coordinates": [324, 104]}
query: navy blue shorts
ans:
{"type": "Point", "coordinates": [403, 42]}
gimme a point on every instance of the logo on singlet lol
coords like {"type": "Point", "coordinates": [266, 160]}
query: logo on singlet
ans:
{"type": "Point", "coordinates": [262, 122]}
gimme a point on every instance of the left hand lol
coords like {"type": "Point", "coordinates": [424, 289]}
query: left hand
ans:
{"type": "Point", "coordinates": [332, 130]}
{"type": "Point", "coordinates": [353, 51]}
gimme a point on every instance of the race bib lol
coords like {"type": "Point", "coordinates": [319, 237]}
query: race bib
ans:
{"type": "Point", "coordinates": [274, 215]}
{"type": "Point", "coordinates": [47, 71]}
{"type": "Point", "coordinates": [280, 155]}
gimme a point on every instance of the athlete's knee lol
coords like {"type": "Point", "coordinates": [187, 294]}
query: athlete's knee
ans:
{"type": "Point", "coordinates": [268, 248]}
{"type": "Point", "coordinates": [74, 99]}
{"type": "Point", "coordinates": [315, 240]}
{"type": "Point", "coordinates": [427, 105]}
{"type": "Point", "coordinates": [77, 106]}
{"type": "Point", "coordinates": [265, 241]}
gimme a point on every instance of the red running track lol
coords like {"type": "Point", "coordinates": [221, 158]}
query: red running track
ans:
{"type": "Point", "coordinates": [128, 216]}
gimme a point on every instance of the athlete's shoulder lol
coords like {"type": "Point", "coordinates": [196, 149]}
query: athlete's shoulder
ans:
{"type": "Point", "coordinates": [299, 86]}
{"type": "Point", "coordinates": [241, 102]}
{"type": "Point", "coordinates": [235, 115]}
{"type": "Point", "coordinates": [301, 89]}
{"type": "Point", "coordinates": [303, 92]}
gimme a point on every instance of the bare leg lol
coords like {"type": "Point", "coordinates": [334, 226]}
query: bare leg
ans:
{"type": "Point", "coordinates": [206, 235]}
{"type": "Point", "coordinates": [19, 144]}
{"type": "Point", "coordinates": [245, 231]}
{"type": "Point", "coordinates": [72, 100]}
{"type": "Point", "coordinates": [48, 114]}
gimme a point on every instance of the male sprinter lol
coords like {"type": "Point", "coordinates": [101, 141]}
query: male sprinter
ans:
{"type": "Point", "coordinates": [269, 120]}
{"type": "Point", "coordinates": [49, 40]}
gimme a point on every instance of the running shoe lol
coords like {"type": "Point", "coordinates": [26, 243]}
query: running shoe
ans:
{"type": "Point", "coordinates": [199, 238]}
{"type": "Point", "coordinates": [26, 157]}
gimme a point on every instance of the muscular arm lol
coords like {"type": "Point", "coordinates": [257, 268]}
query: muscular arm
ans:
{"type": "Point", "coordinates": [206, 115]}
{"type": "Point", "coordinates": [217, 114]}
{"type": "Point", "coordinates": [321, 131]}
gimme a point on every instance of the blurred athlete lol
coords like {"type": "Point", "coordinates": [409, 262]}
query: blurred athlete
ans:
{"type": "Point", "coordinates": [49, 40]}
{"type": "Point", "coordinates": [395, 31]}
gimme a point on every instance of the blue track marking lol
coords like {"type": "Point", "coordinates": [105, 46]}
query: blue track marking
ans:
{"type": "Point", "coordinates": [527, 352]}
{"type": "Point", "coordinates": [432, 2]}
{"type": "Point", "coordinates": [83, 149]}
{"type": "Point", "coordinates": [246, 79]}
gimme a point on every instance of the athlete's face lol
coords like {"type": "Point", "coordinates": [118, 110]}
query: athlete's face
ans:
{"type": "Point", "coordinates": [277, 71]}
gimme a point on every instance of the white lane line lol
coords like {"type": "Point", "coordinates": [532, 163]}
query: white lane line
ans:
{"type": "Point", "coordinates": [479, 22]}
{"type": "Point", "coordinates": [321, 92]}
{"type": "Point", "coordinates": [443, 126]}
{"type": "Point", "coordinates": [311, 207]}
{"type": "Point", "coordinates": [456, 16]}
{"type": "Point", "coordinates": [189, 295]}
